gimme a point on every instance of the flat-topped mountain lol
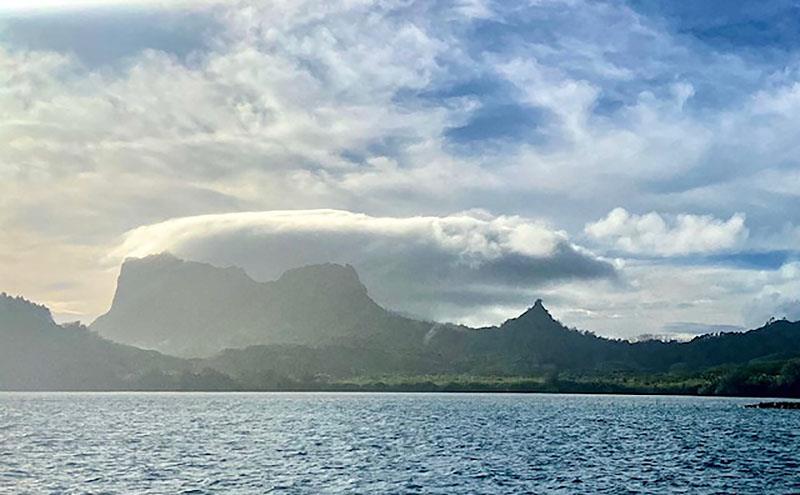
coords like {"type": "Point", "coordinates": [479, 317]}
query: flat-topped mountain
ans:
{"type": "Point", "coordinates": [195, 309]}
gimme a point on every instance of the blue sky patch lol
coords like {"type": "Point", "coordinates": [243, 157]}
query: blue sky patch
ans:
{"type": "Point", "coordinates": [104, 36]}
{"type": "Point", "coordinates": [509, 121]}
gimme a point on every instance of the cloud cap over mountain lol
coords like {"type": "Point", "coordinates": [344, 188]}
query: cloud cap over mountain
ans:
{"type": "Point", "coordinates": [437, 267]}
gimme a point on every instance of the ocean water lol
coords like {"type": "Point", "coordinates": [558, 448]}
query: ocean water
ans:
{"type": "Point", "coordinates": [392, 443]}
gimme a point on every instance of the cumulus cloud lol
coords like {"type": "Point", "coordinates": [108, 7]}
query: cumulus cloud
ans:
{"type": "Point", "coordinates": [439, 267]}
{"type": "Point", "coordinates": [653, 234]}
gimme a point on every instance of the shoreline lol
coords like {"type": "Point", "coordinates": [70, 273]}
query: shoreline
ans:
{"type": "Point", "coordinates": [766, 401]}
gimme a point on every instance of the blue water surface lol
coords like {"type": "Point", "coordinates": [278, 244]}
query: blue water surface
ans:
{"type": "Point", "coordinates": [233, 443]}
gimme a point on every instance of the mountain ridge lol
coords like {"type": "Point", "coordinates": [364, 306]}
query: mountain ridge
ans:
{"type": "Point", "coordinates": [170, 305]}
{"type": "Point", "coordinates": [319, 321]}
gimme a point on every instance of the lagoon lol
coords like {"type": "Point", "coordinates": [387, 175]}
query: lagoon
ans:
{"type": "Point", "coordinates": [242, 443]}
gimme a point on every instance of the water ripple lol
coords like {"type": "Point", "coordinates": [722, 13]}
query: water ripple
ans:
{"type": "Point", "coordinates": [392, 443]}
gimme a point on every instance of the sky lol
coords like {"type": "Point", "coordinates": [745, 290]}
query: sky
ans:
{"type": "Point", "coordinates": [634, 164]}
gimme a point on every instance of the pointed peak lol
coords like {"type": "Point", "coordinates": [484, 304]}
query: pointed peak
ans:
{"type": "Point", "coordinates": [537, 309]}
{"type": "Point", "coordinates": [536, 314]}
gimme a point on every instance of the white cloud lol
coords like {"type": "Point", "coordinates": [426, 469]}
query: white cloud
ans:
{"type": "Point", "coordinates": [475, 235]}
{"type": "Point", "coordinates": [568, 98]}
{"type": "Point", "coordinates": [653, 234]}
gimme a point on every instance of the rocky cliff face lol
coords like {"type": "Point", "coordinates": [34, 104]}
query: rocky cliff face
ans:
{"type": "Point", "coordinates": [194, 309]}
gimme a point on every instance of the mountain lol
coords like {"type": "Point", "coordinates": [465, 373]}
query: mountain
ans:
{"type": "Point", "coordinates": [195, 309]}
{"type": "Point", "coordinates": [317, 328]}
{"type": "Point", "coordinates": [38, 354]}
{"type": "Point", "coordinates": [528, 343]}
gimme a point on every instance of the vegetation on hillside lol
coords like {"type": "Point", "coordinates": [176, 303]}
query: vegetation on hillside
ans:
{"type": "Point", "coordinates": [374, 349]}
